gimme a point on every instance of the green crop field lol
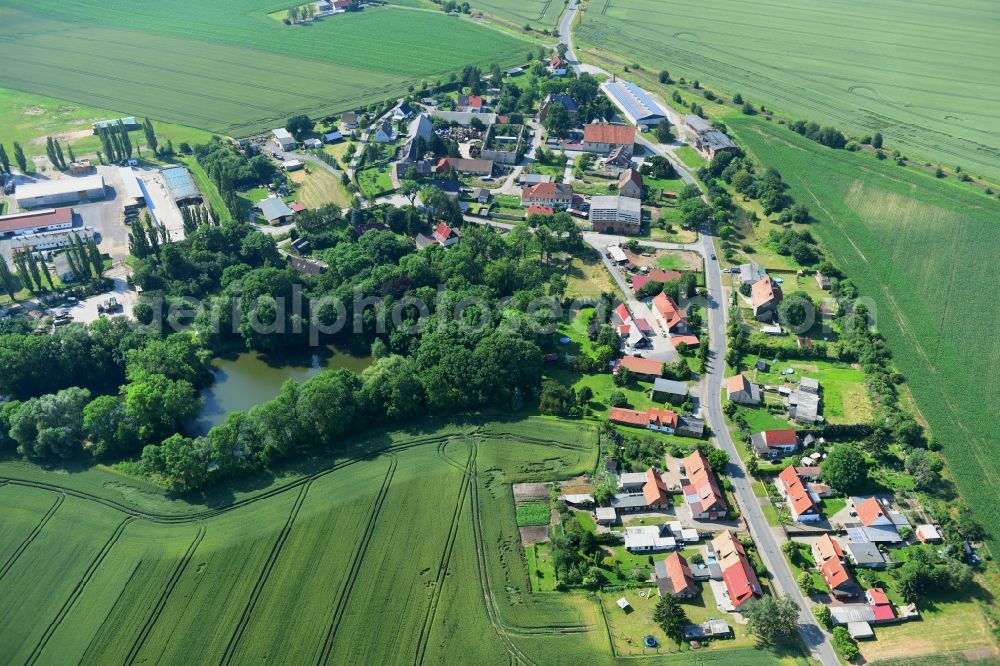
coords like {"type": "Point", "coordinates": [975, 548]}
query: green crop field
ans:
{"type": "Point", "coordinates": [404, 551]}
{"type": "Point", "coordinates": [536, 13]}
{"type": "Point", "coordinates": [227, 67]}
{"type": "Point", "coordinates": [923, 251]}
{"type": "Point", "coordinates": [921, 72]}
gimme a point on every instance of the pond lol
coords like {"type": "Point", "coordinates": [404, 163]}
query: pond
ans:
{"type": "Point", "coordinates": [244, 380]}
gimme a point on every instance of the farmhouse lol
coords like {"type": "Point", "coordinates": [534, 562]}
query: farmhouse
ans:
{"type": "Point", "coordinates": [557, 66]}
{"type": "Point", "coordinates": [765, 294]}
{"type": "Point", "coordinates": [551, 195]}
{"type": "Point", "coordinates": [700, 488]}
{"type": "Point", "coordinates": [741, 390]}
{"type": "Point", "coordinates": [826, 548]}
{"type": "Point", "coordinates": [21, 224]}
{"type": "Point", "coordinates": [275, 211]}
{"type": "Point", "coordinates": [660, 420]}
{"type": "Point", "coordinates": [349, 120]}
{"type": "Point", "coordinates": [630, 184]}
{"type": "Point", "coordinates": [802, 505]}
{"type": "Point", "coordinates": [46, 193]}
{"type": "Point", "coordinates": [737, 573]}
{"type": "Point", "coordinates": [615, 214]}
{"type": "Point", "coordinates": [771, 444]}
{"type": "Point", "coordinates": [620, 157]}
{"type": "Point", "coordinates": [646, 369]}
{"type": "Point", "coordinates": [445, 236]}
{"type": "Point", "coordinates": [878, 522]}
{"type": "Point", "coordinates": [464, 165]}
{"type": "Point", "coordinates": [708, 140]}
{"type": "Point", "coordinates": [602, 139]}
{"type": "Point", "coordinates": [634, 102]}
{"type": "Point", "coordinates": [673, 576]}
{"type": "Point", "coordinates": [469, 103]}
{"type": "Point", "coordinates": [836, 576]}
{"type": "Point", "coordinates": [386, 133]}
{"type": "Point", "coordinates": [671, 317]}
{"type": "Point", "coordinates": [565, 100]}
{"type": "Point", "coordinates": [284, 139]}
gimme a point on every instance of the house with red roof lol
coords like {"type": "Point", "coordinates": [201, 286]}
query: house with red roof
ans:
{"type": "Point", "coordinates": [603, 138]}
{"type": "Point", "coordinates": [646, 369]}
{"type": "Point", "coordinates": [671, 317]}
{"type": "Point", "coordinates": [701, 489]}
{"type": "Point", "coordinates": [741, 390]}
{"type": "Point", "coordinates": [689, 340]}
{"type": "Point", "coordinates": [870, 512]}
{"type": "Point", "coordinates": [469, 103]}
{"type": "Point", "coordinates": [660, 420]}
{"type": "Point", "coordinates": [826, 548]}
{"type": "Point", "coordinates": [445, 236]}
{"type": "Point", "coordinates": [535, 209]}
{"type": "Point", "coordinates": [765, 294]}
{"type": "Point", "coordinates": [557, 65]}
{"type": "Point", "coordinates": [550, 195]}
{"type": "Point", "coordinates": [630, 184]}
{"type": "Point", "coordinates": [880, 605]}
{"type": "Point", "coordinates": [654, 491]}
{"type": "Point", "coordinates": [737, 571]}
{"type": "Point", "coordinates": [836, 576]}
{"type": "Point", "coordinates": [655, 275]}
{"type": "Point", "coordinates": [801, 504]}
{"type": "Point", "coordinates": [773, 444]}
{"type": "Point", "coordinates": [673, 576]}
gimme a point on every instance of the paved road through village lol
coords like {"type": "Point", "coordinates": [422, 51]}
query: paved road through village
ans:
{"type": "Point", "coordinates": [767, 543]}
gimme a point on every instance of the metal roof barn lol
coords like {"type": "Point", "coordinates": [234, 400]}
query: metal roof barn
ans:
{"type": "Point", "coordinates": [637, 105]}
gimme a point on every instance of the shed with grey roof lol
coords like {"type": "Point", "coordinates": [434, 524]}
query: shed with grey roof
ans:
{"type": "Point", "coordinates": [275, 211]}
{"type": "Point", "coordinates": [669, 390]}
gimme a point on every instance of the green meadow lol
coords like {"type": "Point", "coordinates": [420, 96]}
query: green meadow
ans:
{"type": "Point", "coordinates": [228, 67]}
{"type": "Point", "coordinates": [923, 73]}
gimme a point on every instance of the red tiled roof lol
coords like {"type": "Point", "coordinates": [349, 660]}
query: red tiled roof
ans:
{"type": "Point", "coordinates": [662, 417]}
{"type": "Point", "coordinates": [726, 547]}
{"type": "Point", "coordinates": [876, 596]}
{"type": "Point", "coordinates": [764, 291]}
{"type": "Point", "coordinates": [780, 437]}
{"type": "Point", "coordinates": [741, 582]}
{"type": "Point", "coordinates": [612, 134]}
{"type": "Point", "coordinates": [661, 275]}
{"type": "Point", "coordinates": [623, 313]}
{"type": "Point", "coordinates": [883, 612]}
{"type": "Point", "coordinates": [642, 366]}
{"type": "Point", "coordinates": [545, 191]}
{"type": "Point", "coordinates": [628, 416]}
{"type": "Point", "coordinates": [297, 207]}
{"type": "Point", "coordinates": [679, 574]}
{"type": "Point", "coordinates": [668, 310]}
{"type": "Point", "coordinates": [631, 176]}
{"type": "Point", "coordinates": [834, 573]}
{"type": "Point", "coordinates": [702, 479]}
{"type": "Point", "coordinates": [737, 383]}
{"type": "Point", "coordinates": [869, 511]}
{"type": "Point", "coordinates": [639, 281]}
{"type": "Point", "coordinates": [642, 325]}
{"type": "Point", "coordinates": [535, 209]}
{"type": "Point", "coordinates": [18, 221]}
{"type": "Point", "coordinates": [654, 490]}
{"type": "Point", "coordinates": [689, 340]}
{"type": "Point", "coordinates": [827, 548]}
{"type": "Point", "coordinates": [443, 232]}
{"type": "Point", "coordinates": [798, 497]}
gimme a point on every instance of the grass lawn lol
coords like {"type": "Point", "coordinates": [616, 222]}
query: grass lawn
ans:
{"type": "Point", "coordinates": [587, 277]}
{"type": "Point", "coordinates": [540, 570]}
{"type": "Point", "coordinates": [671, 262]}
{"type": "Point", "coordinates": [319, 187]}
{"type": "Point", "coordinates": [338, 150]}
{"type": "Point", "coordinates": [845, 398]}
{"type": "Point", "coordinates": [955, 627]}
{"type": "Point", "coordinates": [208, 188]}
{"type": "Point", "coordinates": [760, 419]}
{"type": "Point", "coordinates": [690, 157]}
{"type": "Point", "coordinates": [373, 182]}
{"type": "Point", "coordinates": [832, 505]}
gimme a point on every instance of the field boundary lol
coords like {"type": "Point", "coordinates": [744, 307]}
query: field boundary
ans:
{"type": "Point", "coordinates": [161, 603]}
{"type": "Point", "coordinates": [265, 573]}
{"type": "Point", "coordinates": [359, 554]}
{"type": "Point", "coordinates": [445, 562]}
{"type": "Point", "coordinates": [31, 536]}
{"type": "Point", "coordinates": [78, 590]}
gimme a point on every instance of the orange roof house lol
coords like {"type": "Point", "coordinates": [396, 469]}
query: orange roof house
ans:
{"type": "Point", "coordinates": [702, 490]}
{"type": "Point", "coordinates": [645, 367]}
{"type": "Point", "coordinates": [655, 491]}
{"type": "Point", "coordinates": [765, 294]}
{"type": "Point", "coordinates": [614, 135]}
{"type": "Point", "coordinates": [672, 317]}
{"type": "Point", "coordinates": [839, 580]}
{"type": "Point", "coordinates": [674, 577]}
{"type": "Point", "coordinates": [870, 513]}
{"type": "Point", "coordinates": [826, 548]}
{"type": "Point", "coordinates": [801, 504]}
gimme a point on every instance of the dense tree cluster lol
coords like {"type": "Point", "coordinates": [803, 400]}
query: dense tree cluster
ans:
{"type": "Point", "coordinates": [231, 171]}
{"type": "Point", "coordinates": [828, 136]}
